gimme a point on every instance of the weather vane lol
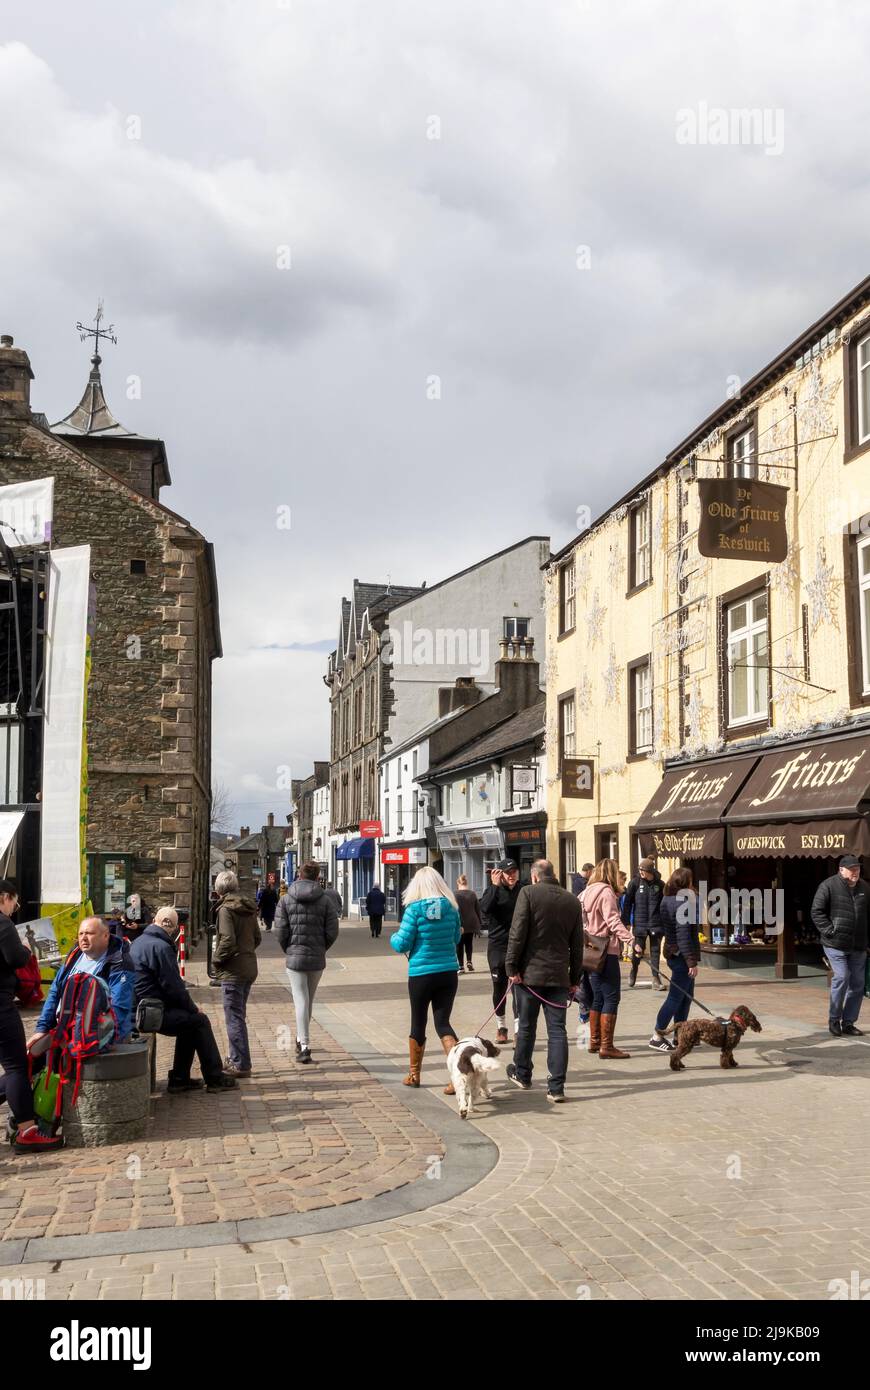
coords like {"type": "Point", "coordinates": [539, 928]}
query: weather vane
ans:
{"type": "Point", "coordinates": [97, 332]}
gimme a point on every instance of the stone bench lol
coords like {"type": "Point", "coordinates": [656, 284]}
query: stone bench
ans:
{"type": "Point", "coordinates": [113, 1099]}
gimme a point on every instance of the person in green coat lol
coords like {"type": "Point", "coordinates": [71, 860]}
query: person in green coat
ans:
{"type": "Point", "coordinates": [235, 965]}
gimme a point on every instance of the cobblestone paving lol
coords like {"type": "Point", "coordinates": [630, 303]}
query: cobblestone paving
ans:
{"type": "Point", "coordinates": [748, 1185]}
{"type": "Point", "coordinates": [290, 1139]}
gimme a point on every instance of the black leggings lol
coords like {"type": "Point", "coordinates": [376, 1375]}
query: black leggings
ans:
{"type": "Point", "coordinates": [438, 990]}
{"type": "Point", "coordinates": [13, 1060]}
{"type": "Point", "coordinates": [466, 945]}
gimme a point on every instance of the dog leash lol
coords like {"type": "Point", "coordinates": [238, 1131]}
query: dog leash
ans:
{"type": "Point", "coordinates": [504, 997]}
{"type": "Point", "coordinates": [691, 997]}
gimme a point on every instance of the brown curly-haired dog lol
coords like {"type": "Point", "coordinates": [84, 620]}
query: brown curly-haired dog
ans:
{"type": "Point", "coordinates": [722, 1033]}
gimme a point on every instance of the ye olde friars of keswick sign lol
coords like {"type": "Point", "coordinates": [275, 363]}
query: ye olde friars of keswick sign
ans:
{"type": "Point", "coordinates": [742, 519]}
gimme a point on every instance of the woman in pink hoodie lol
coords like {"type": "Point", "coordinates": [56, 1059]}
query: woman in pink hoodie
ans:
{"type": "Point", "coordinates": [600, 902]}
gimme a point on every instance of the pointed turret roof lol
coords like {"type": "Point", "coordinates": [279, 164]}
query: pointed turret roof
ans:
{"type": "Point", "coordinates": [92, 415]}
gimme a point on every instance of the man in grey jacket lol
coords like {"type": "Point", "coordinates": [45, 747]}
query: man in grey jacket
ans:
{"type": "Point", "coordinates": [306, 925]}
{"type": "Point", "coordinates": [544, 958]}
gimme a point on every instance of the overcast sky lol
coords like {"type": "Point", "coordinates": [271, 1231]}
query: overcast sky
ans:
{"type": "Point", "coordinates": [303, 124]}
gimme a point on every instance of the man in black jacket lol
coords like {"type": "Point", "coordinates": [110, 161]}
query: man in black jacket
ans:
{"type": "Point", "coordinates": [497, 907]}
{"type": "Point", "coordinates": [544, 955]}
{"type": "Point", "coordinates": [839, 915]}
{"type": "Point", "coordinates": [641, 910]}
{"type": "Point", "coordinates": [158, 977]}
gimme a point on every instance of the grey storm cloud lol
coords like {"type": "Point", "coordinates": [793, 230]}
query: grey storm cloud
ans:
{"type": "Point", "coordinates": [302, 391]}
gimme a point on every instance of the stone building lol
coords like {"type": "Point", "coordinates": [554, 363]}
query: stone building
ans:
{"type": "Point", "coordinates": [305, 804]}
{"type": "Point", "coordinates": [359, 689]}
{"type": "Point", "coordinates": [254, 857]}
{"type": "Point", "coordinates": [156, 634]}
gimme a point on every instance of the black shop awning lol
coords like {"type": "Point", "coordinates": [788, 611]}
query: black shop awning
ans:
{"type": "Point", "coordinates": [805, 800]}
{"type": "Point", "coordinates": [684, 818]}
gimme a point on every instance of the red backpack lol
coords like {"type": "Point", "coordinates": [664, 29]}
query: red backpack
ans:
{"type": "Point", "coordinates": [29, 987]}
{"type": "Point", "coordinates": [85, 1025]}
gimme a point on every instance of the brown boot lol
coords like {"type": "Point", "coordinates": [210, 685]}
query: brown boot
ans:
{"type": "Point", "coordinates": [416, 1051]}
{"type": "Point", "coordinates": [608, 1023]}
{"type": "Point", "coordinates": [447, 1043]}
{"type": "Point", "coordinates": [594, 1031]}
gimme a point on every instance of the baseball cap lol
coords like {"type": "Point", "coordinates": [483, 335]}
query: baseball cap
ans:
{"type": "Point", "coordinates": [850, 861]}
{"type": "Point", "coordinates": [506, 865]}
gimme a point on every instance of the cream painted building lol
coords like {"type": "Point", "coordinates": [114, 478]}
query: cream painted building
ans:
{"type": "Point", "coordinates": [726, 701]}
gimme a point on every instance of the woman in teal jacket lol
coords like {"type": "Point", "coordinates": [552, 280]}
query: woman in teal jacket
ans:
{"type": "Point", "coordinates": [428, 935]}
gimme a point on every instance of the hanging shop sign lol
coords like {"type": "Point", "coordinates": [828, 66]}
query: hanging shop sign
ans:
{"type": "Point", "coordinates": [742, 519]}
{"type": "Point", "coordinates": [371, 829]}
{"type": "Point", "coordinates": [578, 778]}
{"type": "Point", "coordinates": [524, 779]}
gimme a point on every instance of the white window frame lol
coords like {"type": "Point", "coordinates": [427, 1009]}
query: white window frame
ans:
{"type": "Point", "coordinates": [643, 715]}
{"type": "Point", "coordinates": [744, 463]}
{"type": "Point", "coordinates": [568, 597]}
{"type": "Point", "coordinates": [642, 541]}
{"type": "Point", "coordinates": [864, 609]}
{"type": "Point", "coordinates": [567, 728]}
{"type": "Point", "coordinates": [510, 628]}
{"type": "Point", "coordinates": [747, 633]}
{"type": "Point", "coordinates": [862, 382]}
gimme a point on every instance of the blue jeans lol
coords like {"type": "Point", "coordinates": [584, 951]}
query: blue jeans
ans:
{"type": "Point", "coordinates": [676, 1006]}
{"type": "Point", "coordinates": [528, 1008]}
{"type": "Point", "coordinates": [606, 985]}
{"type": "Point", "coordinates": [235, 993]}
{"type": "Point", "coordinates": [847, 986]}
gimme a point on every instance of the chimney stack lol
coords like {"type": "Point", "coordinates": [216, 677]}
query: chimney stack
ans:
{"type": "Point", "coordinates": [244, 832]}
{"type": "Point", "coordinates": [270, 819]}
{"type": "Point", "coordinates": [15, 379]}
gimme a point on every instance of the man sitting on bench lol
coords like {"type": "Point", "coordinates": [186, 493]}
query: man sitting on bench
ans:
{"type": "Point", "coordinates": [101, 954]}
{"type": "Point", "coordinates": [158, 977]}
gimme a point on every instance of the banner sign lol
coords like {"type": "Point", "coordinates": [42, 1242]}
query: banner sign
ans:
{"type": "Point", "coordinates": [25, 512]}
{"type": "Point", "coordinates": [578, 778]}
{"type": "Point", "coordinates": [370, 829]}
{"type": "Point", "coordinates": [411, 855]}
{"type": "Point", "coordinates": [742, 519]}
{"type": "Point", "coordinates": [63, 731]}
{"type": "Point", "coordinates": [9, 823]}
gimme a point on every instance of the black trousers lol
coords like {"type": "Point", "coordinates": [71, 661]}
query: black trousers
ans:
{"type": "Point", "coordinates": [466, 945]}
{"type": "Point", "coordinates": [13, 1060]}
{"type": "Point", "coordinates": [495, 958]}
{"type": "Point", "coordinates": [193, 1038]}
{"type": "Point", "coordinates": [437, 990]}
{"type": "Point", "coordinates": [376, 923]}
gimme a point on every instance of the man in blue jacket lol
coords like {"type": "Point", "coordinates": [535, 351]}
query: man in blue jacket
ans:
{"type": "Point", "coordinates": [158, 977]}
{"type": "Point", "coordinates": [98, 953]}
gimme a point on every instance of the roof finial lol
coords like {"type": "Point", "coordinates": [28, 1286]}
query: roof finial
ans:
{"type": "Point", "coordinates": [97, 332]}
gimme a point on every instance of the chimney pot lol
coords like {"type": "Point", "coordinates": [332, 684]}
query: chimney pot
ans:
{"type": "Point", "coordinates": [6, 340]}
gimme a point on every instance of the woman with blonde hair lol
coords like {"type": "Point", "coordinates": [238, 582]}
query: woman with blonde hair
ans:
{"type": "Point", "coordinates": [428, 935]}
{"type": "Point", "coordinates": [600, 903]}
